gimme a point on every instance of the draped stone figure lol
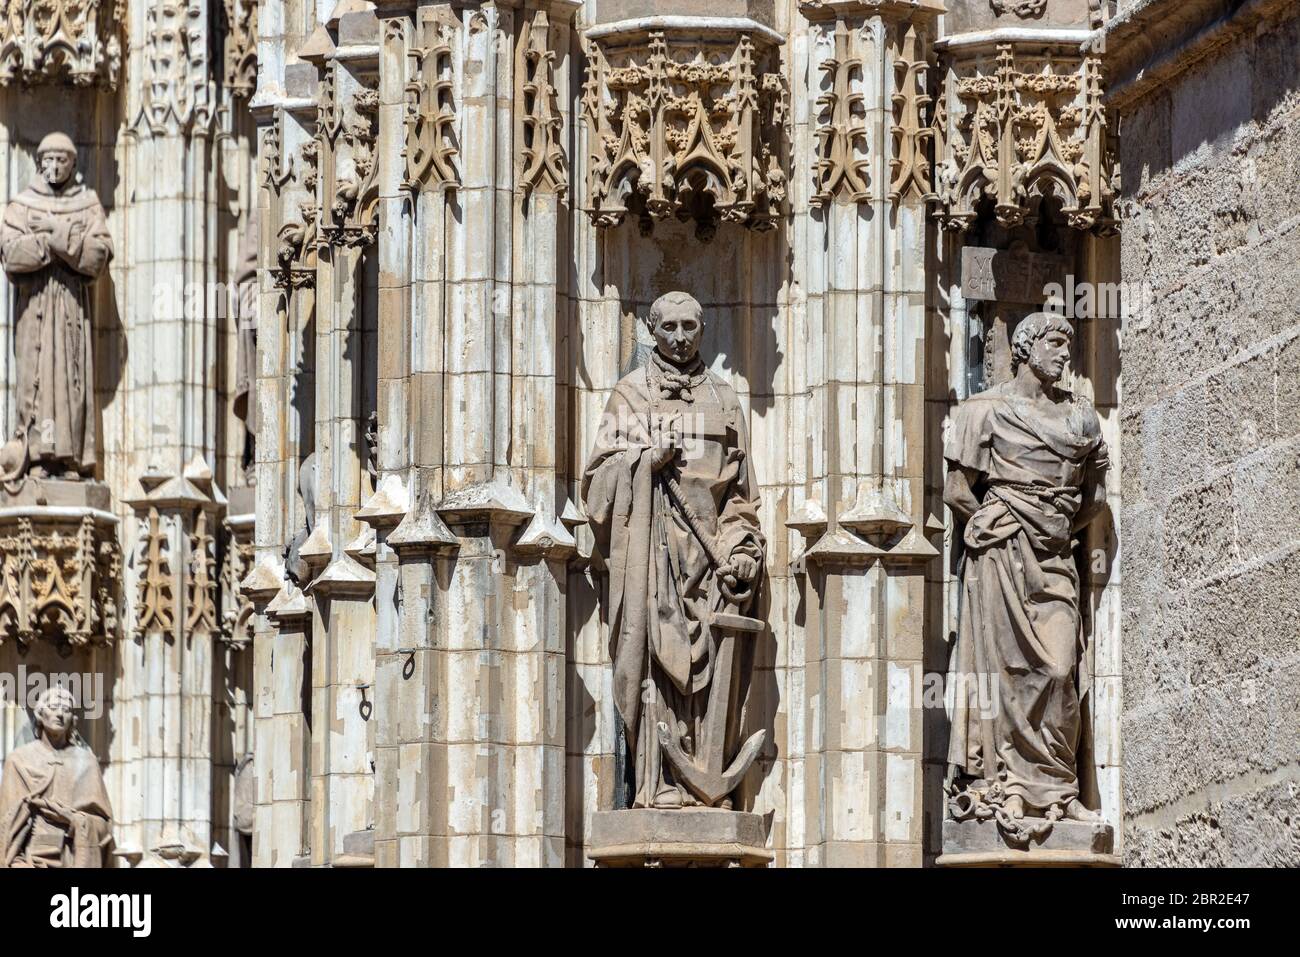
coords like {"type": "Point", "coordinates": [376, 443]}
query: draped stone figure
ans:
{"type": "Point", "coordinates": [1026, 472]}
{"type": "Point", "coordinates": [245, 400]}
{"type": "Point", "coordinates": [670, 495]}
{"type": "Point", "coordinates": [54, 244]}
{"type": "Point", "coordinates": [54, 810]}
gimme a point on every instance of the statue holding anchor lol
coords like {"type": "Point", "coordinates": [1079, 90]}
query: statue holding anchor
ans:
{"type": "Point", "coordinates": [670, 495]}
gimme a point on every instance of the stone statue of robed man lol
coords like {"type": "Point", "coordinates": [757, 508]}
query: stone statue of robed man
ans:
{"type": "Point", "coordinates": [54, 810]}
{"type": "Point", "coordinates": [1026, 473]}
{"type": "Point", "coordinates": [54, 243]}
{"type": "Point", "coordinates": [670, 494]}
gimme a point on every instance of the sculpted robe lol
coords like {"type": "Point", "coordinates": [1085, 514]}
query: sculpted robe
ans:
{"type": "Point", "coordinates": [69, 777]}
{"type": "Point", "coordinates": [52, 272]}
{"type": "Point", "coordinates": [662, 587]}
{"type": "Point", "coordinates": [1020, 620]}
{"type": "Point", "coordinates": [245, 404]}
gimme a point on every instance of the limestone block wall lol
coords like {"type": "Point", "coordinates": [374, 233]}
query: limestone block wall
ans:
{"type": "Point", "coordinates": [1211, 436]}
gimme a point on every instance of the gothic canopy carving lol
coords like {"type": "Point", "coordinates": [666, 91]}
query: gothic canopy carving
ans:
{"type": "Point", "coordinates": [685, 122]}
{"type": "Point", "coordinates": [65, 41]}
{"type": "Point", "coordinates": [1021, 129]}
{"type": "Point", "coordinates": [60, 571]}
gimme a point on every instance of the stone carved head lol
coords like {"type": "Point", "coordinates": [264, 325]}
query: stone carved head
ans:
{"type": "Point", "coordinates": [676, 321]}
{"type": "Point", "coordinates": [55, 714]}
{"type": "Point", "coordinates": [57, 157]}
{"type": "Point", "coordinates": [1042, 340]}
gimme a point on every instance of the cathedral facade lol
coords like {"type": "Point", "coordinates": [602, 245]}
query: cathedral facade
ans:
{"type": "Point", "coordinates": [369, 558]}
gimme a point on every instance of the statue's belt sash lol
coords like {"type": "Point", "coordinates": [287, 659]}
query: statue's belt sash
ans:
{"type": "Point", "coordinates": [1043, 514]}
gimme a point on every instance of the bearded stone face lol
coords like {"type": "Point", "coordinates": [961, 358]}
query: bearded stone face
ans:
{"type": "Point", "coordinates": [1049, 355]}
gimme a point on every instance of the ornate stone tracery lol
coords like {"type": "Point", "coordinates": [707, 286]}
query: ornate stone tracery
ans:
{"type": "Point", "coordinates": [841, 167]}
{"type": "Point", "coordinates": [59, 571]}
{"type": "Point", "coordinates": [154, 598]}
{"type": "Point", "coordinates": [430, 146]}
{"type": "Point", "coordinates": [685, 127]}
{"type": "Point", "coordinates": [77, 41]}
{"type": "Point", "coordinates": [240, 43]}
{"type": "Point", "coordinates": [543, 165]}
{"type": "Point", "coordinates": [237, 618]}
{"type": "Point", "coordinates": [1031, 128]}
{"type": "Point", "coordinates": [910, 164]}
{"type": "Point", "coordinates": [177, 581]}
{"type": "Point", "coordinates": [177, 94]}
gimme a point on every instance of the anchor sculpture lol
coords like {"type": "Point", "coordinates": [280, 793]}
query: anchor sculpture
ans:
{"type": "Point", "coordinates": [704, 772]}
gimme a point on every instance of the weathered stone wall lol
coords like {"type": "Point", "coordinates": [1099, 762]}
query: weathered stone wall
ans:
{"type": "Point", "coordinates": [1211, 459]}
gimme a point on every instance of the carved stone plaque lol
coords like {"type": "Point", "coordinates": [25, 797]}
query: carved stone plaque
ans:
{"type": "Point", "coordinates": [1010, 275]}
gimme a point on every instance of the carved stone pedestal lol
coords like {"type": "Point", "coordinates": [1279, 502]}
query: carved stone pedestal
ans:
{"type": "Point", "coordinates": [1068, 844]}
{"type": "Point", "coordinates": [690, 837]}
{"type": "Point", "coordinates": [59, 563]}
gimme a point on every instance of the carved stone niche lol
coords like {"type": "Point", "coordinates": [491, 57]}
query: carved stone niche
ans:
{"type": "Point", "coordinates": [62, 41]}
{"type": "Point", "coordinates": [686, 118]}
{"type": "Point", "coordinates": [60, 564]}
{"type": "Point", "coordinates": [1013, 127]}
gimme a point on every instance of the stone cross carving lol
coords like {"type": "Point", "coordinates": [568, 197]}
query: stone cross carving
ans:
{"type": "Point", "coordinates": [54, 244]}
{"type": "Point", "coordinates": [1026, 473]}
{"type": "Point", "coordinates": [671, 497]}
{"type": "Point", "coordinates": [54, 810]}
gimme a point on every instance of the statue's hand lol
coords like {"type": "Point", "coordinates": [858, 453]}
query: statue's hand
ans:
{"type": "Point", "coordinates": [743, 567]}
{"type": "Point", "coordinates": [664, 451]}
{"type": "Point", "coordinates": [55, 813]}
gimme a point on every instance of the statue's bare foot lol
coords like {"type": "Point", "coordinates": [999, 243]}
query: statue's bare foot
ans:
{"type": "Point", "coordinates": [1015, 806]}
{"type": "Point", "coordinates": [1075, 811]}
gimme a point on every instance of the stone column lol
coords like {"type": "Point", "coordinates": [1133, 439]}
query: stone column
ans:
{"type": "Point", "coordinates": [167, 670]}
{"type": "Point", "coordinates": [863, 515]}
{"type": "Point", "coordinates": [470, 546]}
{"type": "Point", "coordinates": [285, 108]}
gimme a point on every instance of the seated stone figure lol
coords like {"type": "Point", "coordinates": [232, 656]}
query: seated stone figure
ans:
{"type": "Point", "coordinates": [54, 811]}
